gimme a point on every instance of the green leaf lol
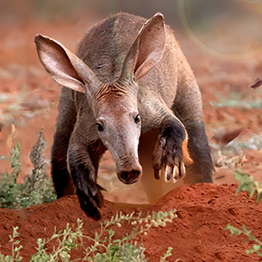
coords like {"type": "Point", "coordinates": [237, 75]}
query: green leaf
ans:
{"type": "Point", "coordinates": [233, 230]}
{"type": "Point", "coordinates": [256, 247]}
{"type": "Point", "coordinates": [244, 227]}
{"type": "Point", "coordinates": [111, 233]}
{"type": "Point", "coordinates": [248, 183]}
{"type": "Point", "coordinates": [249, 251]}
{"type": "Point", "coordinates": [252, 238]}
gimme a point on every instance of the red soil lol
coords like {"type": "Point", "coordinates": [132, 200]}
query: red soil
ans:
{"type": "Point", "coordinates": [196, 234]}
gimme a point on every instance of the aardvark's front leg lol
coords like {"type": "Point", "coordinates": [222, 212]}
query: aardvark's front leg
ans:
{"type": "Point", "coordinates": [83, 166]}
{"type": "Point", "coordinates": [170, 153]}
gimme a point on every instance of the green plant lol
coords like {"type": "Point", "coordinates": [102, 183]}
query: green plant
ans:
{"type": "Point", "coordinates": [39, 185]}
{"type": "Point", "coordinates": [256, 247]}
{"type": "Point", "coordinates": [67, 240]}
{"type": "Point", "coordinates": [11, 192]}
{"type": "Point", "coordinates": [15, 257]}
{"type": "Point", "coordinates": [105, 247]}
{"type": "Point", "coordinates": [126, 248]}
{"type": "Point", "coordinates": [247, 183]}
{"type": "Point", "coordinates": [32, 192]}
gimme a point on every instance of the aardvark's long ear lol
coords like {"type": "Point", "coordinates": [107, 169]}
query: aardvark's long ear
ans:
{"type": "Point", "coordinates": [65, 67]}
{"type": "Point", "coordinates": [146, 50]}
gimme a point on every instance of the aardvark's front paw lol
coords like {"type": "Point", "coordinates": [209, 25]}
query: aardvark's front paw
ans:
{"type": "Point", "coordinates": [171, 153]}
{"type": "Point", "coordinates": [90, 198]}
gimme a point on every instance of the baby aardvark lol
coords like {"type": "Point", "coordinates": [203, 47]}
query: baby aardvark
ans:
{"type": "Point", "coordinates": [128, 89]}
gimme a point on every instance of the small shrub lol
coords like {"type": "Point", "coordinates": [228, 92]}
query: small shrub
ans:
{"type": "Point", "coordinates": [10, 192]}
{"type": "Point", "coordinates": [247, 183]}
{"type": "Point", "coordinates": [256, 247]}
{"type": "Point", "coordinates": [126, 249]}
{"type": "Point", "coordinates": [15, 257]}
{"type": "Point", "coordinates": [36, 190]}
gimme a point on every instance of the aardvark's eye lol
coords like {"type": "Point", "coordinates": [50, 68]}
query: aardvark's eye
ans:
{"type": "Point", "coordinates": [137, 119]}
{"type": "Point", "coordinates": [99, 127]}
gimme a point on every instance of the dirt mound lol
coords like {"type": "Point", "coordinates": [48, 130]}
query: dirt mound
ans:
{"type": "Point", "coordinates": [197, 233]}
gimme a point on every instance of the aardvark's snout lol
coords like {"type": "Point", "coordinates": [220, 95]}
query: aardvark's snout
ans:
{"type": "Point", "coordinates": [130, 172]}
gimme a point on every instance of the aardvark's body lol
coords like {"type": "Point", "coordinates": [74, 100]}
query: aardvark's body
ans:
{"type": "Point", "coordinates": [128, 89]}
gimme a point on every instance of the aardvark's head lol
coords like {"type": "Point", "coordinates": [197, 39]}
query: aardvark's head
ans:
{"type": "Point", "coordinates": [118, 125]}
